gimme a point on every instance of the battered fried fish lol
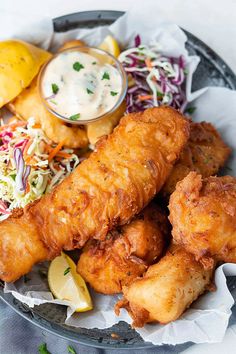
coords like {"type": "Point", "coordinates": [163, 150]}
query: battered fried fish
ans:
{"type": "Point", "coordinates": [166, 290]}
{"type": "Point", "coordinates": [28, 104]}
{"type": "Point", "coordinates": [204, 153]}
{"type": "Point", "coordinates": [203, 216]}
{"type": "Point", "coordinates": [106, 190]}
{"type": "Point", "coordinates": [126, 252]}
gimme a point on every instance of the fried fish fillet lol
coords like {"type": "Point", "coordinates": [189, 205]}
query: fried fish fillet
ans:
{"type": "Point", "coordinates": [167, 289]}
{"type": "Point", "coordinates": [126, 252]}
{"type": "Point", "coordinates": [204, 153]}
{"type": "Point", "coordinates": [28, 104]}
{"type": "Point", "coordinates": [129, 167]}
{"type": "Point", "coordinates": [203, 216]}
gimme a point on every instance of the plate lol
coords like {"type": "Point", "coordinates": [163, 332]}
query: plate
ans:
{"type": "Point", "coordinates": [212, 71]}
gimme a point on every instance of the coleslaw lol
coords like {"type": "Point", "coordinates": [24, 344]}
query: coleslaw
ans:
{"type": "Point", "coordinates": [154, 79]}
{"type": "Point", "coordinates": [30, 165]}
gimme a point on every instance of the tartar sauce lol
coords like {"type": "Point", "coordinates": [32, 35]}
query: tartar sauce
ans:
{"type": "Point", "coordinates": [79, 86]}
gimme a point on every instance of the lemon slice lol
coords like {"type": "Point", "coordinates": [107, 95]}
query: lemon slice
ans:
{"type": "Point", "coordinates": [111, 46]}
{"type": "Point", "coordinates": [66, 284]}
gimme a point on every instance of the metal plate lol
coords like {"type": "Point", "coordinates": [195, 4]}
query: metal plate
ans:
{"type": "Point", "coordinates": [212, 71]}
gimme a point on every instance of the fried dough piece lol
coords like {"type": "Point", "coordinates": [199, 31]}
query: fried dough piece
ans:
{"type": "Point", "coordinates": [71, 44]}
{"type": "Point", "coordinates": [204, 153]}
{"type": "Point", "coordinates": [126, 252]}
{"type": "Point", "coordinates": [203, 216]}
{"type": "Point", "coordinates": [28, 104]}
{"type": "Point", "coordinates": [106, 125]}
{"type": "Point", "coordinates": [104, 191]}
{"type": "Point", "coordinates": [166, 290]}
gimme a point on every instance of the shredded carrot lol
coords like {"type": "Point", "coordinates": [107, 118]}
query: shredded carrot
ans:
{"type": "Point", "coordinates": [64, 154]}
{"type": "Point", "coordinates": [145, 97]}
{"type": "Point", "coordinates": [31, 161]}
{"type": "Point", "coordinates": [148, 63]}
{"type": "Point", "coordinates": [37, 126]}
{"type": "Point", "coordinates": [17, 124]}
{"type": "Point", "coordinates": [55, 151]}
{"type": "Point", "coordinates": [27, 146]}
{"type": "Point", "coordinates": [27, 188]}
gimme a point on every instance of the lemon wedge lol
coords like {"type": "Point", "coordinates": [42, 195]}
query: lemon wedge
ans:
{"type": "Point", "coordinates": [66, 284]}
{"type": "Point", "coordinates": [111, 46]}
{"type": "Point", "coordinates": [20, 63]}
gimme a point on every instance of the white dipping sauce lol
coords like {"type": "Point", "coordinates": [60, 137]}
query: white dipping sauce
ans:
{"type": "Point", "coordinates": [79, 87]}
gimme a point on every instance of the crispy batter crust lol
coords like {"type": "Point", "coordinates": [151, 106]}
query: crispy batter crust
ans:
{"type": "Point", "coordinates": [203, 216]}
{"type": "Point", "coordinates": [166, 290]}
{"type": "Point", "coordinates": [126, 252]}
{"type": "Point", "coordinates": [204, 153]}
{"type": "Point", "coordinates": [106, 190]}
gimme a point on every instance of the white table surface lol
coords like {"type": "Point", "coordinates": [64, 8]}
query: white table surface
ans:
{"type": "Point", "coordinates": [213, 21]}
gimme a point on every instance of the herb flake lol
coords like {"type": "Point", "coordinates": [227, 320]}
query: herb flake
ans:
{"type": "Point", "coordinates": [106, 76]}
{"type": "Point", "coordinates": [190, 110]}
{"type": "Point", "coordinates": [71, 349]}
{"type": "Point", "coordinates": [67, 271]}
{"type": "Point", "coordinates": [55, 88]}
{"type": "Point", "coordinates": [113, 93]}
{"type": "Point", "coordinates": [75, 117]}
{"type": "Point", "coordinates": [94, 63]}
{"type": "Point", "coordinates": [42, 349]}
{"type": "Point", "coordinates": [90, 92]}
{"type": "Point", "coordinates": [77, 66]}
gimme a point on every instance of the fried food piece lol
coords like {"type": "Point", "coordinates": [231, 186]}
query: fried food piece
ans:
{"type": "Point", "coordinates": [104, 191]}
{"type": "Point", "coordinates": [126, 252]}
{"type": "Point", "coordinates": [106, 125]}
{"type": "Point", "coordinates": [204, 153]}
{"type": "Point", "coordinates": [28, 104]}
{"type": "Point", "coordinates": [166, 290]}
{"type": "Point", "coordinates": [203, 216]}
{"type": "Point", "coordinates": [71, 44]}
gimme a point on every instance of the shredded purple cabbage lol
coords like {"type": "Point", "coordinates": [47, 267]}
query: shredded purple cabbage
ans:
{"type": "Point", "coordinates": [22, 171]}
{"type": "Point", "coordinates": [161, 84]}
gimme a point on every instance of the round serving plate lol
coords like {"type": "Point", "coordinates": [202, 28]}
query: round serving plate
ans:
{"type": "Point", "coordinates": [212, 71]}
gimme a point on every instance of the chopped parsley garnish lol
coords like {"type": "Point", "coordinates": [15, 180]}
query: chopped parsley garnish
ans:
{"type": "Point", "coordinates": [94, 63]}
{"type": "Point", "coordinates": [89, 91]}
{"type": "Point", "coordinates": [113, 93]}
{"type": "Point", "coordinates": [13, 176]}
{"type": "Point", "coordinates": [160, 94]}
{"type": "Point", "coordinates": [77, 66]}
{"type": "Point", "coordinates": [190, 110]}
{"type": "Point", "coordinates": [55, 88]}
{"type": "Point", "coordinates": [67, 271]}
{"type": "Point", "coordinates": [106, 76]}
{"type": "Point", "coordinates": [42, 349]}
{"type": "Point", "coordinates": [75, 117]}
{"type": "Point", "coordinates": [71, 349]}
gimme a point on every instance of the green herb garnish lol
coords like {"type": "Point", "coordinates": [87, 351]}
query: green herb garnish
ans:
{"type": "Point", "coordinates": [113, 93]}
{"type": "Point", "coordinates": [67, 271]}
{"type": "Point", "coordinates": [13, 176]}
{"type": "Point", "coordinates": [89, 91]}
{"type": "Point", "coordinates": [42, 349]}
{"type": "Point", "coordinates": [71, 349]}
{"type": "Point", "coordinates": [94, 63]}
{"type": "Point", "coordinates": [77, 66]}
{"type": "Point", "coordinates": [106, 76]}
{"type": "Point", "coordinates": [160, 94]}
{"type": "Point", "coordinates": [55, 88]}
{"type": "Point", "coordinates": [190, 110]}
{"type": "Point", "coordinates": [75, 117]}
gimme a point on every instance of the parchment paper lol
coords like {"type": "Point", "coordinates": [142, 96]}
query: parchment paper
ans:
{"type": "Point", "coordinates": [207, 319]}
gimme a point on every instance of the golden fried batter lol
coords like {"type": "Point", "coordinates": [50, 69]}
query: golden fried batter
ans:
{"type": "Point", "coordinates": [166, 290]}
{"type": "Point", "coordinates": [204, 153]}
{"type": "Point", "coordinates": [72, 44]}
{"type": "Point", "coordinates": [104, 191]}
{"type": "Point", "coordinates": [28, 104]}
{"type": "Point", "coordinates": [126, 252]}
{"type": "Point", "coordinates": [203, 216]}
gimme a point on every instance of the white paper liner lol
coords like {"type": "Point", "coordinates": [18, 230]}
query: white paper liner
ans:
{"type": "Point", "coordinates": [207, 319]}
